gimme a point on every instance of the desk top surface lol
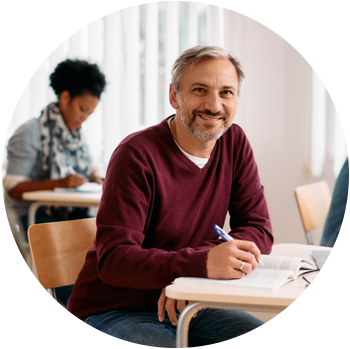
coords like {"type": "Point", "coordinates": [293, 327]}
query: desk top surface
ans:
{"type": "Point", "coordinates": [282, 297]}
{"type": "Point", "coordinates": [57, 197]}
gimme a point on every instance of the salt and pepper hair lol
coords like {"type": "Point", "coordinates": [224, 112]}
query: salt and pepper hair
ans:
{"type": "Point", "coordinates": [194, 55]}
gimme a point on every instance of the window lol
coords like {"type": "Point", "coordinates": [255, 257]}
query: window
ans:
{"type": "Point", "coordinates": [135, 48]}
{"type": "Point", "coordinates": [331, 85]}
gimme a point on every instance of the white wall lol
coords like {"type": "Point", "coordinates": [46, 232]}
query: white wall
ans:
{"type": "Point", "coordinates": [273, 40]}
{"type": "Point", "coordinates": [275, 113]}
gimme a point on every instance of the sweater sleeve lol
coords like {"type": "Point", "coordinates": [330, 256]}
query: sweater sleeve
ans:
{"type": "Point", "coordinates": [122, 221]}
{"type": "Point", "coordinates": [249, 216]}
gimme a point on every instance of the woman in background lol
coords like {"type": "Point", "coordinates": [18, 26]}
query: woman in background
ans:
{"type": "Point", "coordinates": [50, 152]}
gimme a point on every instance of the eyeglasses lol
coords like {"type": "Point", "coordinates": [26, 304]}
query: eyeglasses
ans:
{"type": "Point", "coordinates": [323, 281]}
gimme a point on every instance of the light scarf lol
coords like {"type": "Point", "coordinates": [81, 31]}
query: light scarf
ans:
{"type": "Point", "coordinates": [56, 140]}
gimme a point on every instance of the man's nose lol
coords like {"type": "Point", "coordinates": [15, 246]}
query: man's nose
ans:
{"type": "Point", "coordinates": [213, 103]}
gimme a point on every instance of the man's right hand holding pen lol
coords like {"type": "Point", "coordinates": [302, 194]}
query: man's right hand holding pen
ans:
{"type": "Point", "coordinates": [229, 260]}
{"type": "Point", "coordinates": [232, 259]}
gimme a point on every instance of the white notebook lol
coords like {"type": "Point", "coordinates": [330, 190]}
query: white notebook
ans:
{"type": "Point", "coordinates": [276, 272]}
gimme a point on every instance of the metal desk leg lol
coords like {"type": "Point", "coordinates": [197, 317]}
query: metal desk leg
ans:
{"type": "Point", "coordinates": [184, 322]}
{"type": "Point", "coordinates": [287, 325]}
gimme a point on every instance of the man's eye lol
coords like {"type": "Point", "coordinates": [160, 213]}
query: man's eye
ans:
{"type": "Point", "coordinates": [198, 89]}
{"type": "Point", "coordinates": [227, 92]}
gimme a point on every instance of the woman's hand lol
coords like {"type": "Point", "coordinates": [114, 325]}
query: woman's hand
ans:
{"type": "Point", "coordinates": [98, 180]}
{"type": "Point", "coordinates": [71, 181]}
{"type": "Point", "coordinates": [95, 177]}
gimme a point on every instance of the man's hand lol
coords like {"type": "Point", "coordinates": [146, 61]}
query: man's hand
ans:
{"type": "Point", "coordinates": [168, 304]}
{"type": "Point", "coordinates": [72, 181]}
{"type": "Point", "coordinates": [225, 260]}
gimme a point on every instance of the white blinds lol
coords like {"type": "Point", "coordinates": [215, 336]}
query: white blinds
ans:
{"type": "Point", "coordinates": [135, 48]}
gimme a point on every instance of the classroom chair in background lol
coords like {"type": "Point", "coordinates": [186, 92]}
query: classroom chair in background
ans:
{"type": "Point", "coordinates": [313, 201]}
{"type": "Point", "coordinates": [59, 250]}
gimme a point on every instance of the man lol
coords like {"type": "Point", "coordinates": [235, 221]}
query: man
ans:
{"type": "Point", "coordinates": [165, 189]}
{"type": "Point", "coordinates": [19, 312]}
{"type": "Point", "coordinates": [336, 232]}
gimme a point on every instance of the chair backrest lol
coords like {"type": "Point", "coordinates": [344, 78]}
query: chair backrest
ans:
{"type": "Point", "coordinates": [313, 201]}
{"type": "Point", "coordinates": [59, 250]}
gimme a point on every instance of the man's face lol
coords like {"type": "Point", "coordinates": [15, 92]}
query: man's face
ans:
{"type": "Point", "coordinates": [208, 100]}
{"type": "Point", "coordinates": [10, 48]}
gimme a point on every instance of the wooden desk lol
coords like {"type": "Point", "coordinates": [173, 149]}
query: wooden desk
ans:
{"type": "Point", "coordinates": [52, 198]}
{"type": "Point", "coordinates": [220, 298]}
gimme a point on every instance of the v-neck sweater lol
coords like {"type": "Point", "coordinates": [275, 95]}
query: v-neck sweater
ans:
{"type": "Point", "coordinates": [157, 214]}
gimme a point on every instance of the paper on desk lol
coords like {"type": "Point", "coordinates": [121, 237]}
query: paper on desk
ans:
{"type": "Point", "coordinates": [88, 187]}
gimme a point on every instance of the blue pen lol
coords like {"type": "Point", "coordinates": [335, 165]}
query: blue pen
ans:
{"type": "Point", "coordinates": [227, 237]}
{"type": "Point", "coordinates": [70, 169]}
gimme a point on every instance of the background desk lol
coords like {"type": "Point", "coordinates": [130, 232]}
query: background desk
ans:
{"type": "Point", "coordinates": [224, 298]}
{"type": "Point", "coordinates": [52, 198]}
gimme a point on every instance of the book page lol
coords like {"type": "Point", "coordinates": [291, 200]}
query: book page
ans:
{"type": "Point", "coordinates": [286, 263]}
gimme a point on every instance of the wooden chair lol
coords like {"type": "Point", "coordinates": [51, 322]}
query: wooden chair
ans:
{"type": "Point", "coordinates": [313, 202]}
{"type": "Point", "coordinates": [59, 250]}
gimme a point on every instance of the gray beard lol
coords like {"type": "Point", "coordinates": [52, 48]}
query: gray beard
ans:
{"type": "Point", "coordinates": [206, 136]}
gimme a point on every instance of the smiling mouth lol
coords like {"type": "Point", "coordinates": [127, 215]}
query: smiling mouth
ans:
{"type": "Point", "coordinates": [208, 118]}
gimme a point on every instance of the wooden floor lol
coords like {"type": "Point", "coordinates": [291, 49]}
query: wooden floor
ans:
{"type": "Point", "coordinates": [342, 340]}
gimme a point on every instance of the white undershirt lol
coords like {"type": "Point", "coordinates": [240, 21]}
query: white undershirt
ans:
{"type": "Point", "coordinates": [200, 162]}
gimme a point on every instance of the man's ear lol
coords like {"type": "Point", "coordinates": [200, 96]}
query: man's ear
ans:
{"type": "Point", "coordinates": [173, 97]}
{"type": "Point", "coordinates": [64, 97]}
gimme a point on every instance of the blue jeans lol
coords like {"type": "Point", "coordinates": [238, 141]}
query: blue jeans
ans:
{"type": "Point", "coordinates": [210, 326]}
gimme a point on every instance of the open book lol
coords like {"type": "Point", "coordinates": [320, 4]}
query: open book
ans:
{"type": "Point", "coordinates": [276, 272]}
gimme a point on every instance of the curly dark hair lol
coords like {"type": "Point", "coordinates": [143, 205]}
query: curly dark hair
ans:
{"type": "Point", "coordinates": [78, 77]}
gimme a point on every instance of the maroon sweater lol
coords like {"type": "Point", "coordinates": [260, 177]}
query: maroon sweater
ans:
{"type": "Point", "coordinates": [157, 215]}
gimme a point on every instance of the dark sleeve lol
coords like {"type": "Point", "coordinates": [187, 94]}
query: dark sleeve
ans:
{"type": "Point", "coordinates": [336, 232]}
{"type": "Point", "coordinates": [249, 215]}
{"type": "Point", "coordinates": [122, 220]}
